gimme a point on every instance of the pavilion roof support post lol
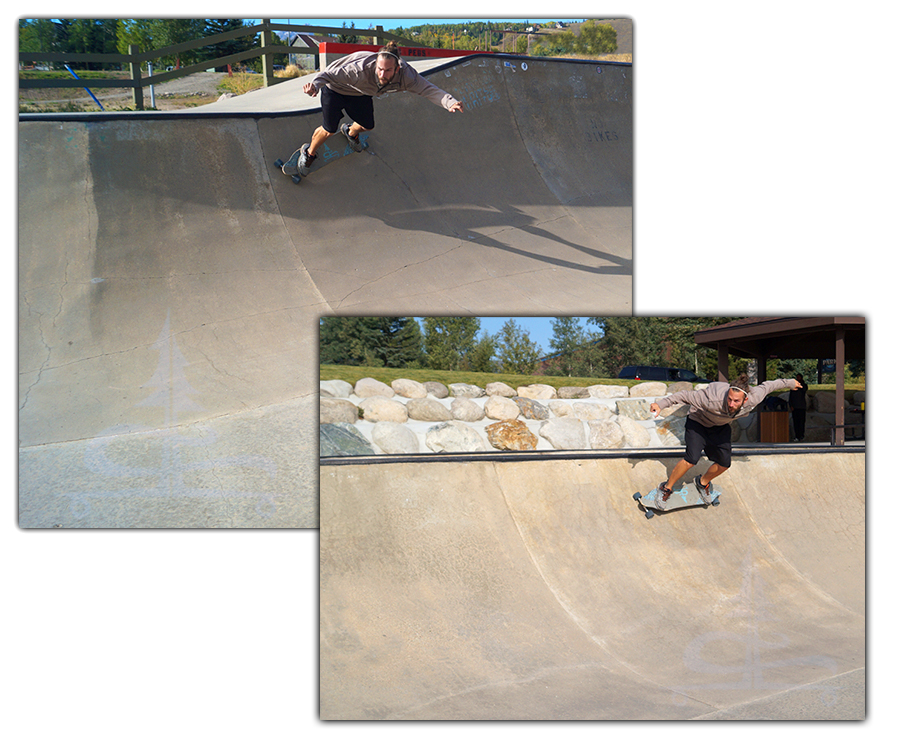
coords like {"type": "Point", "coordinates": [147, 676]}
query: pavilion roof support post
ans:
{"type": "Point", "coordinates": [839, 410]}
{"type": "Point", "coordinates": [137, 92]}
{"type": "Point", "coordinates": [723, 362]}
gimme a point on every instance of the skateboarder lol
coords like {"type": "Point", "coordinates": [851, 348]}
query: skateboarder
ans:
{"type": "Point", "coordinates": [349, 85]}
{"type": "Point", "coordinates": [708, 425]}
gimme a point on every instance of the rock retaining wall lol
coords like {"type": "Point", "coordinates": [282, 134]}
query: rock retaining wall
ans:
{"type": "Point", "coordinates": [409, 417]}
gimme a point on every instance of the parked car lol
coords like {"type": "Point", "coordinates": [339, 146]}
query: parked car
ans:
{"type": "Point", "coordinates": [659, 374]}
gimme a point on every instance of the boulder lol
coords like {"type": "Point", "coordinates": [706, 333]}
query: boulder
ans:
{"type": "Point", "coordinates": [671, 431]}
{"type": "Point", "coordinates": [537, 392]}
{"type": "Point", "coordinates": [461, 390]}
{"type": "Point", "coordinates": [465, 409]}
{"type": "Point", "coordinates": [648, 390]}
{"type": "Point", "coordinates": [342, 440]}
{"type": "Point", "coordinates": [437, 389]}
{"type": "Point", "coordinates": [608, 391]}
{"type": "Point", "coordinates": [453, 437]}
{"type": "Point", "coordinates": [337, 411]}
{"type": "Point", "coordinates": [511, 435]}
{"type": "Point", "coordinates": [395, 439]}
{"type": "Point", "coordinates": [500, 409]}
{"type": "Point", "coordinates": [635, 434]}
{"type": "Point", "coordinates": [499, 388]}
{"type": "Point", "coordinates": [639, 410]}
{"type": "Point", "coordinates": [368, 387]}
{"type": "Point", "coordinates": [573, 392]}
{"type": "Point", "coordinates": [677, 387]}
{"type": "Point", "coordinates": [531, 409]}
{"type": "Point", "coordinates": [561, 408]}
{"type": "Point", "coordinates": [409, 388]}
{"type": "Point", "coordinates": [566, 433]}
{"type": "Point", "coordinates": [336, 388]}
{"type": "Point", "coordinates": [605, 435]}
{"type": "Point", "coordinates": [379, 408]}
{"type": "Point", "coordinates": [591, 411]}
{"type": "Point", "coordinates": [427, 409]}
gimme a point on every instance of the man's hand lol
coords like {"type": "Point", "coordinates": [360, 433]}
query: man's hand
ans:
{"type": "Point", "coordinates": [797, 385]}
{"type": "Point", "coordinates": [310, 90]}
{"type": "Point", "coordinates": [654, 410]}
{"type": "Point", "coordinates": [458, 107]}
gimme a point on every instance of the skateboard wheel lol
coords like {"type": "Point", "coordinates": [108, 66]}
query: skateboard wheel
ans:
{"type": "Point", "coordinates": [649, 514]}
{"type": "Point", "coordinates": [715, 502]}
{"type": "Point", "coordinates": [279, 164]}
{"type": "Point", "coordinates": [636, 496]}
{"type": "Point", "coordinates": [296, 178]}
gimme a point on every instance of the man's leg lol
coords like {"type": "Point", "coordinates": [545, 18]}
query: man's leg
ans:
{"type": "Point", "coordinates": [318, 138]}
{"type": "Point", "coordinates": [715, 470]}
{"type": "Point", "coordinates": [677, 472]}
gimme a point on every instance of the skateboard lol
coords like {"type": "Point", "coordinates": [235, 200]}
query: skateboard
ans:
{"type": "Point", "coordinates": [325, 155]}
{"type": "Point", "coordinates": [681, 499]}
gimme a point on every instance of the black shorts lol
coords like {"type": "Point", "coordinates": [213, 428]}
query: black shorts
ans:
{"type": "Point", "coordinates": [714, 441]}
{"type": "Point", "coordinates": [360, 109]}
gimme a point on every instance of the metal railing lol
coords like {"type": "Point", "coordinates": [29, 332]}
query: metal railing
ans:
{"type": "Point", "coordinates": [135, 59]}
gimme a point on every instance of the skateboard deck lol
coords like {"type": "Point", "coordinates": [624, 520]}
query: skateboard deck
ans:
{"type": "Point", "coordinates": [679, 499]}
{"type": "Point", "coordinates": [328, 152]}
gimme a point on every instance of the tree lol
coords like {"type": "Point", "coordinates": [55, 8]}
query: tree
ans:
{"type": "Point", "coordinates": [449, 341]}
{"type": "Point", "coordinates": [518, 354]}
{"type": "Point", "coordinates": [370, 341]}
{"type": "Point", "coordinates": [481, 359]}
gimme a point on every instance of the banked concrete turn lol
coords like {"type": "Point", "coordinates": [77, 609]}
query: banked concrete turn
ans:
{"type": "Point", "coordinates": [171, 279]}
{"type": "Point", "coordinates": [492, 589]}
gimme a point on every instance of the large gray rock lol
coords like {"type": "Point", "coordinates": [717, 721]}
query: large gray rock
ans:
{"type": "Point", "coordinates": [537, 392]}
{"type": "Point", "coordinates": [635, 434]}
{"type": "Point", "coordinates": [608, 391]}
{"type": "Point", "coordinates": [573, 392]}
{"type": "Point", "coordinates": [368, 387]}
{"type": "Point", "coordinates": [648, 390]}
{"type": "Point", "coordinates": [427, 409]}
{"type": "Point", "coordinates": [671, 431]}
{"type": "Point", "coordinates": [567, 433]}
{"type": "Point", "coordinates": [591, 411]}
{"type": "Point", "coordinates": [395, 439]}
{"type": "Point", "coordinates": [500, 408]}
{"type": "Point", "coordinates": [337, 411]}
{"type": "Point", "coordinates": [499, 388]}
{"type": "Point", "coordinates": [605, 435]}
{"type": "Point", "coordinates": [462, 390]}
{"type": "Point", "coordinates": [342, 440]}
{"type": "Point", "coordinates": [406, 388]}
{"type": "Point", "coordinates": [639, 410]}
{"type": "Point", "coordinates": [561, 408]}
{"type": "Point", "coordinates": [531, 409]}
{"type": "Point", "coordinates": [379, 408]}
{"type": "Point", "coordinates": [336, 388]}
{"type": "Point", "coordinates": [677, 387]}
{"type": "Point", "coordinates": [437, 389]}
{"type": "Point", "coordinates": [466, 409]}
{"type": "Point", "coordinates": [453, 437]}
{"type": "Point", "coordinates": [511, 435]}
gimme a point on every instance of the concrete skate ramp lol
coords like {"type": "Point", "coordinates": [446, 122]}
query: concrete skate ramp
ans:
{"type": "Point", "coordinates": [171, 279]}
{"type": "Point", "coordinates": [537, 590]}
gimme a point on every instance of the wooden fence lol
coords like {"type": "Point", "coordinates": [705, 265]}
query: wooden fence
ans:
{"type": "Point", "coordinates": [135, 59]}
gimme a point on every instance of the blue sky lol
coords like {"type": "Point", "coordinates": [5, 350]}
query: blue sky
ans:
{"type": "Point", "coordinates": [540, 329]}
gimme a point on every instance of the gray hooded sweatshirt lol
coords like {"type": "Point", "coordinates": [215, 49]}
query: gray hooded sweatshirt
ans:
{"type": "Point", "coordinates": [709, 406]}
{"type": "Point", "coordinates": [354, 75]}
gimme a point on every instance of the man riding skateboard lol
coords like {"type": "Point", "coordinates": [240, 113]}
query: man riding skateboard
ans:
{"type": "Point", "coordinates": [349, 85]}
{"type": "Point", "coordinates": [708, 425]}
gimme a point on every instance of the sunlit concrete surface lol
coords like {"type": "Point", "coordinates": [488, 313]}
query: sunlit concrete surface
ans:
{"type": "Point", "coordinates": [536, 589]}
{"type": "Point", "coordinates": [171, 278]}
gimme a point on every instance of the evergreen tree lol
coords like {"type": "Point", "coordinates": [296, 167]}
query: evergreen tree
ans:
{"type": "Point", "coordinates": [370, 341]}
{"type": "Point", "coordinates": [518, 354]}
{"type": "Point", "coordinates": [482, 357]}
{"type": "Point", "coordinates": [449, 341]}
